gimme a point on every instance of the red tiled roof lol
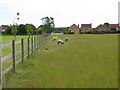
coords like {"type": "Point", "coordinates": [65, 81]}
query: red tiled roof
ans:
{"type": "Point", "coordinates": [113, 25]}
{"type": "Point", "coordinates": [101, 26]}
{"type": "Point", "coordinates": [5, 25]}
{"type": "Point", "coordinates": [74, 26]}
{"type": "Point", "coordinates": [86, 26]}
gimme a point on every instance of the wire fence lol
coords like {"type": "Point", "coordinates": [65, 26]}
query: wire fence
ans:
{"type": "Point", "coordinates": [10, 61]}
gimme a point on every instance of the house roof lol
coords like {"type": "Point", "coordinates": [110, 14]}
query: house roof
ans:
{"type": "Point", "coordinates": [86, 25]}
{"type": "Point", "coordinates": [113, 26]}
{"type": "Point", "coordinates": [101, 26]}
{"type": "Point", "coordinates": [40, 26]}
{"type": "Point", "coordinates": [5, 25]}
{"type": "Point", "coordinates": [74, 26]}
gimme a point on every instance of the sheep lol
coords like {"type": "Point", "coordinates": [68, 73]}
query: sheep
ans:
{"type": "Point", "coordinates": [54, 38]}
{"type": "Point", "coordinates": [66, 39]}
{"type": "Point", "coordinates": [60, 41]}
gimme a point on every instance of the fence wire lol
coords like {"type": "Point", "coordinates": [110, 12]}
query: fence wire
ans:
{"type": "Point", "coordinates": [29, 46]}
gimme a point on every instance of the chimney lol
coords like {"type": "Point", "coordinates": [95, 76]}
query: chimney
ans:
{"type": "Point", "coordinates": [78, 25]}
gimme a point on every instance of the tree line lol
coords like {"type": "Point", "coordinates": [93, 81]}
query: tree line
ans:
{"type": "Point", "coordinates": [21, 29]}
{"type": "Point", "coordinates": [29, 29]}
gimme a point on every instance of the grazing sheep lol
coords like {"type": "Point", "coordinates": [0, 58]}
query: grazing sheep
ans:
{"type": "Point", "coordinates": [66, 39]}
{"type": "Point", "coordinates": [54, 38]}
{"type": "Point", "coordinates": [60, 41]}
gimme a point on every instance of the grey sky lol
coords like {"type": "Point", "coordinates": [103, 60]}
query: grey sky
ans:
{"type": "Point", "coordinates": [65, 12]}
{"type": "Point", "coordinates": [119, 12]}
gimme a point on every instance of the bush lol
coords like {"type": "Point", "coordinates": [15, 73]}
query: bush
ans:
{"type": "Point", "coordinates": [88, 31]}
{"type": "Point", "coordinates": [7, 31]}
{"type": "Point", "coordinates": [118, 31]}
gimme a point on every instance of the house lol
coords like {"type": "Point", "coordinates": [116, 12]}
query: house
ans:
{"type": "Point", "coordinates": [105, 28]}
{"type": "Point", "coordinates": [101, 27]}
{"type": "Point", "coordinates": [40, 27]}
{"type": "Point", "coordinates": [74, 28]}
{"type": "Point", "coordinates": [3, 27]}
{"type": "Point", "coordinates": [86, 27]}
{"type": "Point", "coordinates": [113, 26]}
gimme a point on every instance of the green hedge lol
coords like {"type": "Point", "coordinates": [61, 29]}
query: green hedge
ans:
{"type": "Point", "coordinates": [101, 31]}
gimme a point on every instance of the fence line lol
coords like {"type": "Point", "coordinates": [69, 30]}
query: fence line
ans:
{"type": "Point", "coordinates": [36, 42]}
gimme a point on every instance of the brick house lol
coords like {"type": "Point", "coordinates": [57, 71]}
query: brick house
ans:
{"type": "Point", "coordinates": [74, 28]}
{"type": "Point", "coordinates": [85, 27]}
{"type": "Point", "coordinates": [3, 27]}
{"type": "Point", "coordinates": [110, 27]}
{"type": "Point", "coordinates": [113, 26]}
{"type": "Point", "coordinates": [101, 27]}
{"type": "Point", "coordinates": [40, 27]}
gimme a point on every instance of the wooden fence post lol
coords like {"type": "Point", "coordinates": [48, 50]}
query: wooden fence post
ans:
{"type": "Point", "coordinates": [22, 43]}
{"type": "Point", "coordinates": [32, 44]}
{"type": "Point", "coordinates": [28, 48]}
{"type": "Point", "coordinates": [13, 54]}
{"type": "Point", "coordinates": [39, 41]}
{"type": "Point", "coordinates": [0, 67]}
{"type": "Point", "coordinates": [36, 42]}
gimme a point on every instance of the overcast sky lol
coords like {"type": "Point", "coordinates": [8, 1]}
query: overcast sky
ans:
{"type": "Point", "coordinates": [119, 12]}
{"type": "Point", "coordinates": [64, 12]}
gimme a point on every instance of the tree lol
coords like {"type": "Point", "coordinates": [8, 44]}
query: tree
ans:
{"type": "Point", "coordinates": [32, 26]}
{"type": "Point", "coordinates": [48, 24]}
{"type": "Point", "coordinates": [7, 31]}
{"type": "Point", "coordinates": [22, 30]}
{"type": "Point", "coordinates": [106, 24]}
{"type": "Point", "coordinates": [29, 30]}
{"type": "Point", "coordinates": [14, 31]}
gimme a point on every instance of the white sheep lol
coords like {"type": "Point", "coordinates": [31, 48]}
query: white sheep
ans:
{"type": "Point", "coordinates": [66, 39]}
{"type": "Point", "coordinates": [60, 41]}
{"type": "Point", "coordinates": [54, 38]}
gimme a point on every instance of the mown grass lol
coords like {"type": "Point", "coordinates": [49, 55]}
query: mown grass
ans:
{"type": "Point", "coordinates": [85, 61]}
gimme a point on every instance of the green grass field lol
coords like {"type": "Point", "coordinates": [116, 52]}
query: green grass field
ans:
{"type": "Point", "coordinates": [85, 61]}
{"type": "Point", "coordinates": [8, 50]}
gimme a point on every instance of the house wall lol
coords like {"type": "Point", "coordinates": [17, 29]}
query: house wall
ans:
{"type": "Point", "coordinates": [75, 30]}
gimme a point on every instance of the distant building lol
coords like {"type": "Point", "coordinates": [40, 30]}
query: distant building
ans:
{"type": "Point", "coordinates": [101, 27]}
{"type": "Point", "coordinates": [40, 27]}
{"type": "Point", "coordinates": [3, 27]}
{"type": "Point", "coordinates": [105, 28]}
{"type": "Point", "coordinates": [74, 28]}
{"type": "Point", "coordinates": [86, 27]}
{"type": "Point", "coordinates": [113, 26]}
